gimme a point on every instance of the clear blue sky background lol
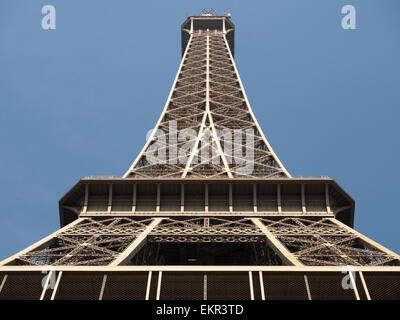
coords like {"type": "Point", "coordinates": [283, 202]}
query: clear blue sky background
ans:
{"type": "Point", "coordinates": [78, 101]}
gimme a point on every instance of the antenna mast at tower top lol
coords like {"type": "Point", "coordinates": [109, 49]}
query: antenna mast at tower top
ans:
{"type": "Point", "coordinates": [207, 13]}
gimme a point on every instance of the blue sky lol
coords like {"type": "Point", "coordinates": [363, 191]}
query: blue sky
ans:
{"type": "Point", "coordinates": [77, 101]}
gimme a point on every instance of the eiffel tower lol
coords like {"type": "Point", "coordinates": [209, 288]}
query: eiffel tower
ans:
{"type": "Point", "coordinates": [206, 211]}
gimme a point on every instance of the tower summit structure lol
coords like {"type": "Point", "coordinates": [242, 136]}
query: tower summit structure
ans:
{"type": "Point", "coordinates": [206, 211]}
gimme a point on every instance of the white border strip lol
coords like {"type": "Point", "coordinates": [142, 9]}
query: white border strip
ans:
{"type": "Point", "coordinates": [201, 268]}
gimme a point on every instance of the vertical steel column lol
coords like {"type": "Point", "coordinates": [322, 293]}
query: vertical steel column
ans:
{"type": "Point", "coordinates": [328, 205]}
{"type": "Point", "coordinates": [53, 296]}
{"type": "Point", "coordinates": [158, 201]}
{"type": "Point", "coordinates": [251, 285]}
{"type": "Point", "coordinates": [3, 282]}
{"type": "Point", "coordinates": [303, 199]}
{"type": "Point", "coordinates": [205, 287]}
{"type": "Point", "coordinates": [159, 285]}
{"type": "Point", "coordinates": [182, 197]}
{"type": "Point", "coordinates": [85, 203]}
{"type": "Point", "coordinates": [46, 284]}
{"type": "Point", "coordinates": [260, 275]}
{"type": "Point", "coordinates": [364, 285]}
{"type": "Point", "coordinates": [134, 196]}
{"type": "Point", "coordinates": [278, 197]}
{"type": "Point", "coordinates": [255, 206]}
{"type": "Point", "coordinates": [206, 197]}
{"type": "Point", "coordinates": [148, 285]}
{"type": "Point", "coordinates": [353, 283]}
{"type": "Point", "coordinates": [307, 287]}
{"type": "Point", "coordinates": [230, 198]}
{"type": "Point", "coordinates": [103, 286]}
{"type": "Point", "coordinates": [110, 197]}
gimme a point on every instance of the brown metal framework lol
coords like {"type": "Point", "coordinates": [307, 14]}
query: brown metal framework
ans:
{"type": "Point", "coordinates": [188, 214]}
{"type": "Point", "coordinates": [208, 98]}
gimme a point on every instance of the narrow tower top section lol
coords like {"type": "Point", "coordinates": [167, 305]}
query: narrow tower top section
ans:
{"type": "Point", "coordinates": [207, 128]}
{"type": "Point", "coordinates": [206, 21]}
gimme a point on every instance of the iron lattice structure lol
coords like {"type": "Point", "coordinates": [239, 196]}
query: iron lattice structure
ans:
{"type": "Point", "coordinates": [208, 98]}
{"type": "Point", "coordinates": [200, 211]}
